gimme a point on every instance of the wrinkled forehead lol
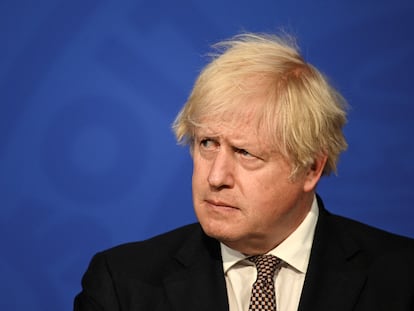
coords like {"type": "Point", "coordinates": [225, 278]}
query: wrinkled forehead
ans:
{"type": "Point", "coordinates": [231, 116]}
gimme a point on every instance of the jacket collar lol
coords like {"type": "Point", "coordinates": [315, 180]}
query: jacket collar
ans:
{"type": "Point", "coordinates": [337, 267]}
{"type": "Point", "coordinates": [200, 276]}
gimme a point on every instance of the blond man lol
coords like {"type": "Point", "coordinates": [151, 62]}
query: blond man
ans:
{"type": "Point", "coordinates": [262, 126]}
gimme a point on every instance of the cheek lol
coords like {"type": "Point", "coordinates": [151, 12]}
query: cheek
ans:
{"type": "Point", "coordinates": [197, 173]}
{"type": "Point", "coordinates": [268, 196]}
{"type": "Point", "coordinates": [200, 168]}
{"type": "Point", "coordinates": [199, 177]}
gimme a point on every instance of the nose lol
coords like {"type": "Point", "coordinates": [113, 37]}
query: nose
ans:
{"type": "Point", "coordinates": [221, 173]}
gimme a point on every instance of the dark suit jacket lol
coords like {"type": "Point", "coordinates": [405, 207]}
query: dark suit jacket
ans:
{"type": "Point", "coordinates": [352, 267]}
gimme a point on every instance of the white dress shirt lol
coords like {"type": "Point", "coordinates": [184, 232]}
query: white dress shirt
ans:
{"type": "Point", "coordinates": [240, 273]}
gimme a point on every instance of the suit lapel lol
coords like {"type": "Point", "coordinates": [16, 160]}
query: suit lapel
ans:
{"type": "Point", "coordinates": [336, 271]}
{"type": "Point", "coordinates": [198, 283]}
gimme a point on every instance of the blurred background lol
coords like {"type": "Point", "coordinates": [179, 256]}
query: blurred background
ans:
{"type": "Point", "coordinates": [88, 92]}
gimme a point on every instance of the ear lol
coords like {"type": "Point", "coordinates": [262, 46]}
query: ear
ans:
{"type": "Point", "coordinates": [314, 173]}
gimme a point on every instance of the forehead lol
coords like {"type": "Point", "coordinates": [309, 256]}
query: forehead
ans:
{"type": "Point", "coordinates": [243, 117]}
{"type": "Point", "coordinates": [236, 128]}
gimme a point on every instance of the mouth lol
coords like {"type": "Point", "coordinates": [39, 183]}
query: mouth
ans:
{"type": "Point", "coordinates": [220, 204]}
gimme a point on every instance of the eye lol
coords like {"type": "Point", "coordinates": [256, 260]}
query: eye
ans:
{"type": "Point", "coordinates": [244, 153]}
{"type": "Point", "coordinates": [207, 143]}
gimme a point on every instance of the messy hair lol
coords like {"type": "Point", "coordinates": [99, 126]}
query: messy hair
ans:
{"type": "Point", "coordinates": [301, 114]}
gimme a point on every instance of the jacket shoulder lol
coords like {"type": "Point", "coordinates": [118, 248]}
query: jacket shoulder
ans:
{"type": "Point", "coordinates": [133, 274]}
{"type": "Point", "coordinates": [155, 247]}
{"type": "Point", "coordinates": [372, 239]}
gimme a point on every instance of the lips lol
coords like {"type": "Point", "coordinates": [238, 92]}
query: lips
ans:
{"type": "Point", "coordinates": [220, 204]}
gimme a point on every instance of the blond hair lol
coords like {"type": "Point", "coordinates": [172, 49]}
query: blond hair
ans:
{"type": "Point", "coordinates": [302, 114]}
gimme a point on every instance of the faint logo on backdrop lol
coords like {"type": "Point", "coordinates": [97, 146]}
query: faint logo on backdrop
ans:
{"type": "Point", "coordinates": [85, 147]}
{"type": "Point", "coordinates": [94, 150]}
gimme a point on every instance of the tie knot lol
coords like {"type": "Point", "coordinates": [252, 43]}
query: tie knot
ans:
{"type": "Point", "coordinates": [266, 265]}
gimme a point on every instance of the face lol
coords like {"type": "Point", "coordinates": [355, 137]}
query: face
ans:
{"type": "Point", "coordinates": [242, 192]}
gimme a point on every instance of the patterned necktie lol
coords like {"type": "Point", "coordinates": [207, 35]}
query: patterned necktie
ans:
{"type": "Point", "coordinates": [263, 291]}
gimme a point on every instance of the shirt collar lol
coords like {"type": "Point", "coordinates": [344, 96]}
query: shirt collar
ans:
{"type": "Point", "coordinates": [294, 250]}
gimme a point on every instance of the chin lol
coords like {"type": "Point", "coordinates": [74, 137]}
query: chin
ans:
{"type": "Point", "coordinates": [221, 232]}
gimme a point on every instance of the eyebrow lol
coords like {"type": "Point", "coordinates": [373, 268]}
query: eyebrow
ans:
{"type": "Point", "coordinates": [205, 133]}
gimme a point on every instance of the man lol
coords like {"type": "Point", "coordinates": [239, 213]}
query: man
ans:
{"type": "Point", "coordinates": [263, 126]}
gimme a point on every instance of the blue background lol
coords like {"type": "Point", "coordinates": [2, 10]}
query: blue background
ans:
{"type": "Point", "coordinates": [89, 89]}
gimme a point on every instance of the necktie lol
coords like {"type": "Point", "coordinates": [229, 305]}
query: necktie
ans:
{"type": "Point", "coordinates": [263, 291]}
